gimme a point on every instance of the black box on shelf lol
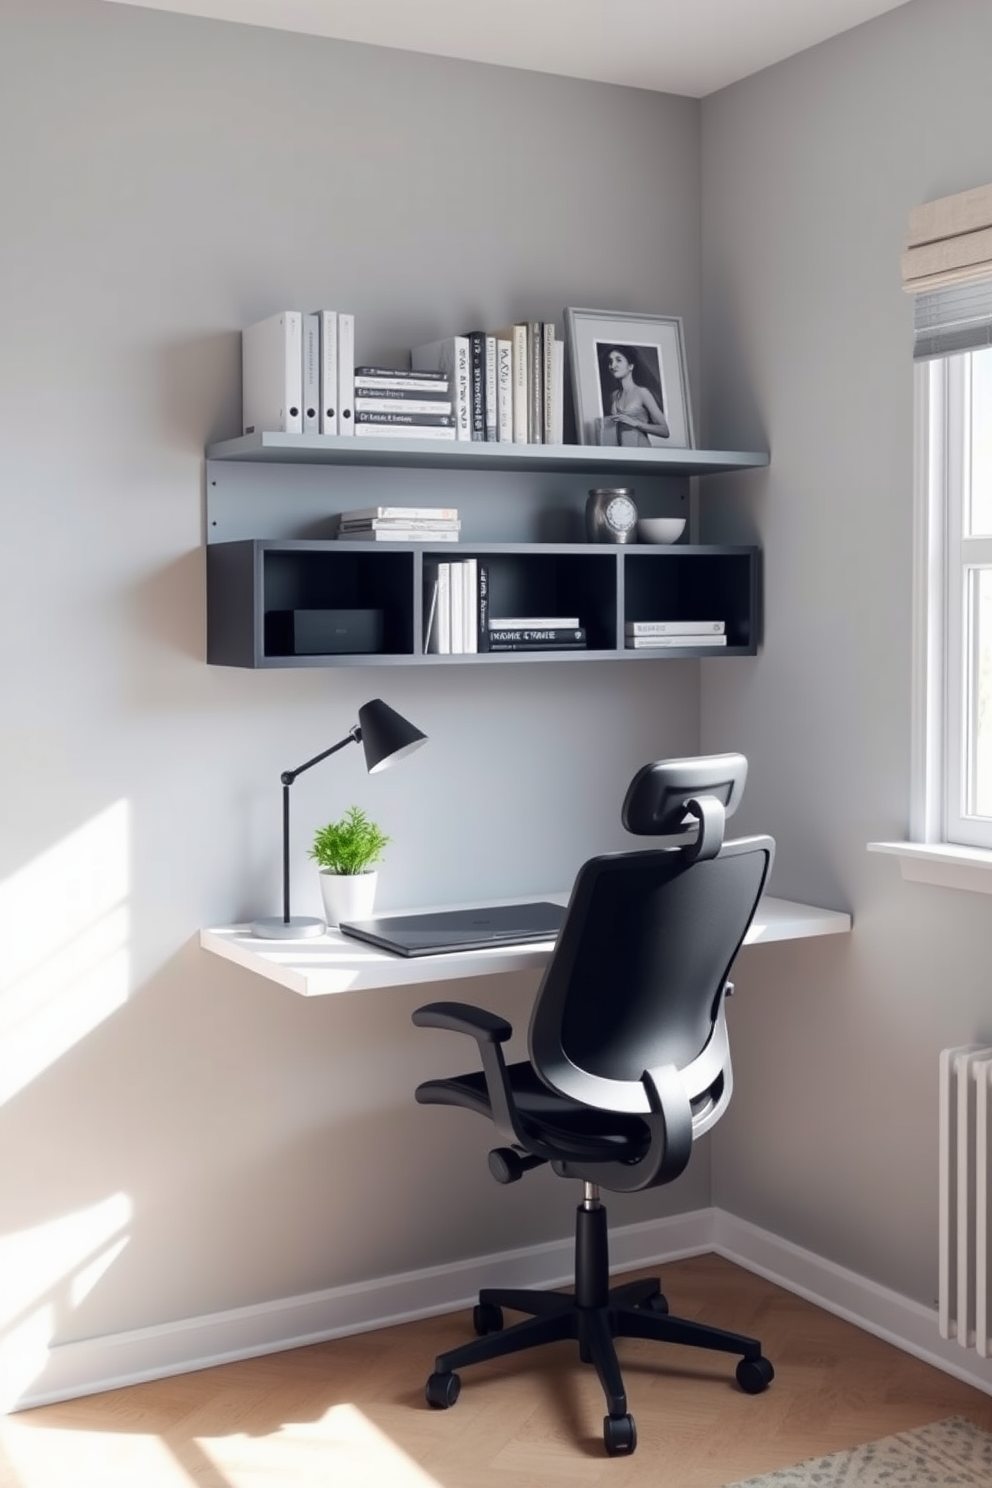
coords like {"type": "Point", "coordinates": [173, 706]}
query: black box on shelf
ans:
{"type": "Point", "coordinates": [323, 632]}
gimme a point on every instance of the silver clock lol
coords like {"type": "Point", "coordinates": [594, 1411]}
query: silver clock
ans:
{"type": "Point", "coordinates": [611, 515]}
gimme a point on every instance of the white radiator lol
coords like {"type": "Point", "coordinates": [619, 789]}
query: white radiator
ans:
{"type": "Point", "coordinates": [965, 1290]}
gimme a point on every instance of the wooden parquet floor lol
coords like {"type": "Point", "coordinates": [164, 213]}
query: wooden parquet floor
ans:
{"type": "Point", "coordinates": [351, 1413]}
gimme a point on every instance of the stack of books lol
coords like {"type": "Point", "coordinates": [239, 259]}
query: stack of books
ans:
{"type": "Point", "coordinates": [403, 405]}
{"type": "Point", "coordinates": [506, 385]}
{"type": "Point", "coordinates": [648, 635]}
{"type": "Point", "coordinates": [536, 633]}
{"type": "Point", "coordinates": [433, 524]}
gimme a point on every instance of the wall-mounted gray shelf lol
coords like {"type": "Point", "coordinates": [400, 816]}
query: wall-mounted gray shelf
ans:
{"type": "Point", "coordinates": [430, 454]}
{"type": "Point", "coordinates": [604, 585]}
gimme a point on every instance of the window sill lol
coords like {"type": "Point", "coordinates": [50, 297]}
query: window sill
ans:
{"type": "Point", "coordinates": [947, 864]}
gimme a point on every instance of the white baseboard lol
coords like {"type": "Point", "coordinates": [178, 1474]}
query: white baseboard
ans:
{"type": "Point", "coordinates": [66, 1371]}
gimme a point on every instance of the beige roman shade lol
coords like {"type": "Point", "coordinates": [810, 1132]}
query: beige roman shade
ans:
{"type": "Point", "coordinates": [947, 265]}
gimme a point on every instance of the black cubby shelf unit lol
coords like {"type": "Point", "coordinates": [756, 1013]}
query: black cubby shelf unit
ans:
{"type": "Point", "coordinates": [250, 581]}
{"type": "Point", "coordinates": [272, 502]}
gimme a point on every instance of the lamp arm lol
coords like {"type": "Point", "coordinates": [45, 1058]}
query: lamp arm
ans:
{"type": "Point", "coordinates": [354, 736]}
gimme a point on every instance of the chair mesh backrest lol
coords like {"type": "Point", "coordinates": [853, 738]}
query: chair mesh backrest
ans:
{"type": "Point", "coordinates": [642, 957]}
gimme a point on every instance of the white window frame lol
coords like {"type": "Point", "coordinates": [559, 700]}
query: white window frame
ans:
{"type": "Point", "coordinates": [944, 847]}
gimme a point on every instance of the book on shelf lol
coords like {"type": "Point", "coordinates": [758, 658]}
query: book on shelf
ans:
{"type": "Point", "coordinates": [536, 645]}
{"type": "Point", "coordinates": [346, 372]}
{"type": "Point", "coordinates": [482, 626]}
{"type": "Point", "coordinates": [420, 513]}
{"type": "Point", "coordinates": [456, 601]}
{"type": "Point", "coordinates": [558, 383]}
{"type": "Point", "coordinates": [272, 375]}
{"type": "Point", "coordinates": [673, 642]}
{"type": "Point", "coordinates": [394, 534]}
{"type": "Point", "coordinates": [430, 608]}
{"type": "Point", "coordinates": [328, 371]}
{"type": "Point", "coordinates": [674, 627]}
{"type": "Point", "coordinates": [504, 391]}
{"type": "Point", "coordinates": [470, 604]}
{"type": "Point", "coordinates": [490, 400]}
{"type": "Point", "coordinates": [398, 376]}
{"type": "Point", "coordinates": [393, 401]}
{"type": "Point", "coordinates": [402, 431]}
{"type": "Point", "coordinates": [444, 609]}
{"type": "Point", "coordinates": [477, 389]}
{"type": "Point", "coordinates": [448, 359]}
{"type": "Point", "coordinates": [311, 372]}
{"type": "Point", "coordinates": [391, 524]}
{"type": "Point", "coordinates": [517, 337]}
{"type": "Point", "coordinates": [534, 622]}
{"type": "Point", "coordinates": [548, 382]}
{"type": "Point", "coordinates": [535, 383]}
{"type": "Point", "coordinates": [551, 633]}
{"type": "Point", "coordinates": [420, 420]}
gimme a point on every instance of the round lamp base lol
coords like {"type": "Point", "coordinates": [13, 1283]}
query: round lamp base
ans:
{"type": "Point", "coordinates": [299, 927]}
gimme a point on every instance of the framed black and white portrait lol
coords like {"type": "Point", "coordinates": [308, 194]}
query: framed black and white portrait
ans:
{"type": "Point", "coordinates": [629, 380]}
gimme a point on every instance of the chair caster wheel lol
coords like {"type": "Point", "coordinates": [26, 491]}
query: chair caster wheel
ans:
{"type": "Point", "coordinates": [755, 1375]}
{"type": "Point", "coordinates": [442, 1391]}
{"type": "Point", "coordinates": [620, 1435]}
{"type": "Point", "coordinates": [656, 1304]}
{"type": "Point", "coordinates": [487, 1318]}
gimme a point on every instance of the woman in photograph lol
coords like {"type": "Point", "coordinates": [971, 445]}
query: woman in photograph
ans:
{"type": "Point", "coordinates": [635, 407]}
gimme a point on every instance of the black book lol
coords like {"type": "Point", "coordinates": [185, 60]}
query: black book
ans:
{"type": "Point", "coordinates": [550, 636]}
{"type": "Point", "coordinates": [477, 388]}
{"type": "Point", "coordinates": [536, 645]}
{"type": "Point", "coordinates": [483, 641]}
{"type": "Point", "coordinates": [438, 394]}
{"type": "Point", "coordinates": [424, 420]}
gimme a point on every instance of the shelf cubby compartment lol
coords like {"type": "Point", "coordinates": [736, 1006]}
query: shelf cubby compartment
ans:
{"type": "Point", "coordinates": [696, 583]}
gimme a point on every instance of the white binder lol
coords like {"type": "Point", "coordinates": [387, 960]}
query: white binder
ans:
{"type": "Point", "coordinates": [328, 371]}
{"type": "Point", "coordinates": [311, 372]}
{"type": "Point", "coordinates": [346, 373]}
{"type": "Point", "coordinates": [272, 375]}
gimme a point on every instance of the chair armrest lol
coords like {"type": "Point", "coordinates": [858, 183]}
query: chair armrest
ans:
{"type": "Point", "coordinates": [461, 1017]}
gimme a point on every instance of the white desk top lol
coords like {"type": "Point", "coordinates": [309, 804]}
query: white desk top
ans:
{"type": "Point", "coordinates": [335, 963]}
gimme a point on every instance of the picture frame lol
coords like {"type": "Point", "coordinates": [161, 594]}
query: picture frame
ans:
{"type": "Point", "coordinates": [630, 385]}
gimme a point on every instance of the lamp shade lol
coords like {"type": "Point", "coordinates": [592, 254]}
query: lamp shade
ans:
{"type": "Point", "coordinates": [386, 735]}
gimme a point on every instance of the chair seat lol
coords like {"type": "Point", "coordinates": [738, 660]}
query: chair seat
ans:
{"type": "Point", "coordinates": [578, 1131]}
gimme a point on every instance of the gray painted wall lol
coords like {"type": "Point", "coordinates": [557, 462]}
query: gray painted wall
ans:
{"type": "Point", "coordinates": [188, 1136]}
{"type": "Point", "coordinates": [809, 172]}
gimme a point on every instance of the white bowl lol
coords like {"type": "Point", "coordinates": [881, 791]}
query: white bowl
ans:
{"type": "Point", "coordinates": [660, 529]}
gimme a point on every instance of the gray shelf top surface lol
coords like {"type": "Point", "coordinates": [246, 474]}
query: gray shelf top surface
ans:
{"type": "Point", "coordinates": [324, 449]}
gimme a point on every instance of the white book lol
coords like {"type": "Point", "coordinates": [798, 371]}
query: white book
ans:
{"type": "Point", "coordinates": [405, 406]}
{"type": "Point", "coordinates": [395, 534]}
{"type": "Point", "coordinates": [674, 627]}
{"type": "Point", "coordinates": [346, 372]}
{"type": "Point", "coordinates": [457, 602]}
{"type": "Point", "coordinates": [390, 524]}
{"type": "Point", "coordinates": [272, 375]}
{"type": "Point", "coordinates": [548, 362]}
{"type": "Point", "coordinates": [504, 391]}
{"type": "Point", "coordinates": [536, 622]}
{"type": "Point", "coordinates": [490, 400]}
{"type": "Point", "coordinates": [401, 431]}
{"type": "Point", "coordinates": [450, 356]}
{"type": "Point", "coordinates": [430, 609]}
{"type": "Point", "coordinates": [444, 609]}
{"type": "Point", "coordinates": [399, 382]}
{"type": "Point", "coordinates": [328, 371]}
{"type": "Point", "coordinates": [470, 614]}
{"type": "Point", "coordinates": [663, 643]}
{"type": "Point", "coordinates": [558, 385]}
{"type": "Point", "coordinates": [423, 513]}
{"type": "Point", "coordinates": [311, 372]}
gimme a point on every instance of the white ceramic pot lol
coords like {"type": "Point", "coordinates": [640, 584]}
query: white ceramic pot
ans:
{"type": "Point", "coordinates": [347, 896]}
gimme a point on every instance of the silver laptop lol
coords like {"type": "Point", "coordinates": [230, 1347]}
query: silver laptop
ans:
{"type": "Point", "coordinates": [433, 933]}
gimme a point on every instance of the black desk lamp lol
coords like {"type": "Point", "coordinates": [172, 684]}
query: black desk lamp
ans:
{"type": "Point", "coordinates": [386, 737]}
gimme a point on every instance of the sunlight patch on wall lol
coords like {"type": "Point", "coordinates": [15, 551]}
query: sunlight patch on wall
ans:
{"type": "Point", "coordinates": [343, 1446]}
{"type": "Point", "coordinates": [64, 932]}
{"type": "Point", "coordinates": [45, 1272]}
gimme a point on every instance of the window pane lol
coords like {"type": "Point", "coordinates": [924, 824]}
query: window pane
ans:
{"type": "Point", "coordinates": [980, 444]}
{"type": "Point", "coordinates": [980, 773]}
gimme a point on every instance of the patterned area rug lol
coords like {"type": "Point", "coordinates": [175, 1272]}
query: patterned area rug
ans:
{"type": "Point", "coordinates": [945, 1454]}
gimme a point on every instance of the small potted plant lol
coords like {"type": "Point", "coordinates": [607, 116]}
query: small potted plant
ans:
{"type": "Point", "coordinates": [344, 852]}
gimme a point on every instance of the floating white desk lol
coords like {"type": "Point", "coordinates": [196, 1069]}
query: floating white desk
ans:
{"type": "Point", "coordinates": [335, 963]}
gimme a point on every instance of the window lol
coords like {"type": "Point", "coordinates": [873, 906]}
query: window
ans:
{"type": "Point", "coordinates": [954, 778]}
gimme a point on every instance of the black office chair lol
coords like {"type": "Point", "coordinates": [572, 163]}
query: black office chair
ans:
{"type": "Point", "coordinates": [629, 1063]}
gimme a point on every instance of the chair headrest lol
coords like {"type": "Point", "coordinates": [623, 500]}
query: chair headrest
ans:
{"type": "Point", "coordinates": [668, 796]}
